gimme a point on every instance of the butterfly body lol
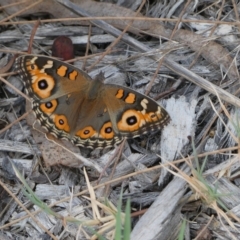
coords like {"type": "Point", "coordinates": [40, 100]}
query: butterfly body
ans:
{"type": "Point", "coordinates": [85, 111]}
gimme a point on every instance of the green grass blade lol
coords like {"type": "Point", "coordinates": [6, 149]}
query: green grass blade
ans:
{"type": "Point", "coordinates": [127, 222]}
{"type": "Point", "coordinates": [182, 230]}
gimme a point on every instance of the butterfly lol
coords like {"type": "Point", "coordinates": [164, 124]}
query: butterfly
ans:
{"type": "Point", "coordinates": [71, 105]}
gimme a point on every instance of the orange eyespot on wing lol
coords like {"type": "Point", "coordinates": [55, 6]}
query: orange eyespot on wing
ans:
{"type": "Point", "coordinates": [141, 121]}
{"type": "Point", "coordinates": [42, 85]}
{"type": "Point", "coordinates": [106, 131]}
{"type": "Point", "coordinates": [86, 132]}
{"type": "Point", "coordinates": [131, 121]}
{"type": "Point", "coordinates": [61, 122]}
{"type": "Point", "coordinates": [48, 107]}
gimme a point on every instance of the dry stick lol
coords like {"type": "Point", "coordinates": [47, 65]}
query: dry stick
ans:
{"type": "Point", "coordinates": [138, 213]}
{"type": "Point", "coordinates": [208, 86]}
{"type": "Point", "coordinates": [8, 73]}
{"type": "Point", "coordinates": [121, 179]}
{"type": "Point", "coordinates": [32, 36]}
{"type": "Point", "coordinates": [210, 125]}
{"type": "Point", "coordinates": [118, 38]}
{"type": "Point", "coordinates": [235, 11]}
{"type": "Point", "coordinates": [161, 61]}
{"type": "Point", "coordinates": [221, 214]}
{"type": "Point", "coordinates": [208, 7]}
{"type": "Point", "coordinates": [16, 121]}
{"type": "Point", "coordinates": [154, 77]}
{"type": "Point", "coordinates": [12, 4]}
{"type": "Point", "coordinates": [201, 234]}
{"type": "Point", "coordinates": [219, 16]}
{"type": "Point", "coordinates": [27, 211]}
{"type": "Point", "coordinates": [108, 163]}
{"type": "Point", "coordinates": [15, 89]}
{"type": "Point", "coordinates": [192, 77]}
{"type": "Point", "coordinates": [92, 198]}
{"type": "Point", "coordinates": [17, 13]}
{"type": "Point", "coordinates": [86, 56]}
{"type": "Point", "coordinates": [8, 66]}
{"type": "Point", "coordinates": [11, 51]}
{"type": "Point", "coordinates": [107, 188]}
{"type": "Point", "coordinates": [170, 90]}
{"type": "Point", "coordinates": [88, 45]}
{"type": "Point", "coordinates": [120, 18]}
{"type": "Point", "coordinates": [180, 19]}
{"type": "Point", "coordinates": [178, 82]}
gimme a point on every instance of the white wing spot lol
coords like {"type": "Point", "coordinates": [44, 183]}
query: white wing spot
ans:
{"type": "Point", "coordinates": [144, 103]}
{"type": "Point", "coordinates": [48, 65]}
{"type": "Point", "coordinates": [33, 60]}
